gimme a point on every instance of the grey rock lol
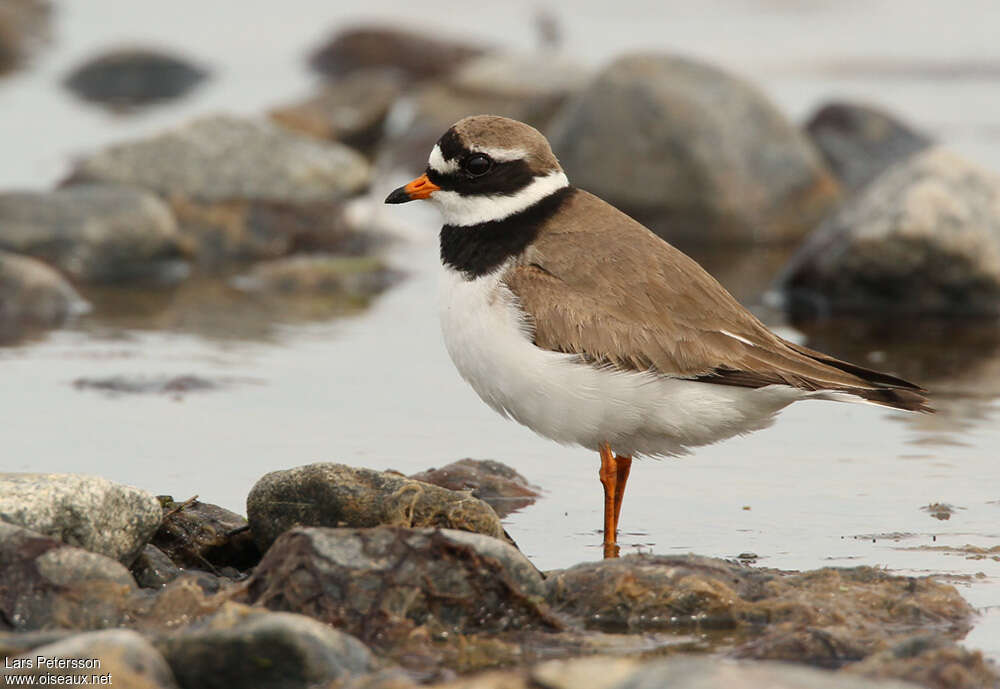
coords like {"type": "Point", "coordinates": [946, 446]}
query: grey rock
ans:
{"type": "Point", "coordinates": [24, 27]}
{"type": "Point", "coordinates": [352, 277]}
{"type": "Point", "coordinates": [19, 643]}
{"type": "Point", "coordinates": [412, 55]}
{"type": "Point", "coordinates": [48, 584]}
{"type": "Point", "coordinates": [243, 647]}
{"type": "Point", "coordinates": [134, 76]}
{"type": "Point", "coordinates": [328, 494]}
{"type": "Point", "coordinates": [859, 141]}
{"type": "Point", "coordinates": [121, 654]}
{"type": "Point", "coordinates": [710, 673]}
{"type": "Point", "coordinates": [352, 109]}
{"type": "Point", "coordinates": [381, 584]}
{"type": "Point", "coordinates": [95, 233]}
{"type": "Point", "coordinates": [700, 155]}
{"type": "Point", "coordinates": [201, 535]}
{"type": "Point", "coordinates": [242, 189]}
{"type": "Point", "coordinates": [495, 483]}
{"type": "Point", "coordinates": [33, 293]}
{"type": "Point", "coordinates": [923, 238]}
{"type": "Point", "coordinates": [222, 158]}
{"type": "Point", "coordinates": [87, 511]}
{"type": "Point", "coordinates": [153, 569]}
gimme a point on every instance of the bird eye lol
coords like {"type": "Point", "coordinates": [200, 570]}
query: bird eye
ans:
{"type": "Point", "coordinates": [477, 164]}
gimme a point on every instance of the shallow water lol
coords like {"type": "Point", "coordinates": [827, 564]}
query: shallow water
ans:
{"type": "Point", "coordinates": [828, 484]}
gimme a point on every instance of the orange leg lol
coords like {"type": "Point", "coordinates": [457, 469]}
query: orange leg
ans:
{"type": "Point", "coordinates": [614, 473]}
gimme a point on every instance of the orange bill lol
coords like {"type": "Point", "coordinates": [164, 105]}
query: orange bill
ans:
{"type": "Point", "coordinates": [420, 188]}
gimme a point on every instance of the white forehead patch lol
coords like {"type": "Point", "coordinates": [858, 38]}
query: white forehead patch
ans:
{"type": "Point", "coordinates": [439, 164]}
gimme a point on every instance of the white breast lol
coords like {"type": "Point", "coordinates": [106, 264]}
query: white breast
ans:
{"type": "Point", "coordinates": [569, 401]}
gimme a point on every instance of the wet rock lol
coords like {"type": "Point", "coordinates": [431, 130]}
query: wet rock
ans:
{"type": "Point", "coordinates": [825, 617]}
{"type": "Point", "coordinates": [123, 658]}
{"type": "Point", "coordinates": [940, 510]}
{"type": "Point", "coordinates": [134, 76]}
{"type": "Point", "coordinates": [351, 110]}
{"type": "Point", "coordinates": [86, 511]}
{"type": "Point", "coordinates": [95, 233]}
{"type": "Point", "coordinates": [698, 154]}
{"type": "Point", "coordinates": [329, 494]}
{"type": "Point", "coordinates": [923, 238]}
{"type": "Point", "coordinates": [242, 189]}
{"type": "Point", "coordinates": [356, 277]}
{"type": "Point", "coordinates": [412, 55]}
{"type": "Point", "coordinates": [388, 585]}
{"type": "Point", "coordinates": [47, 584]}
{"type": "Point", "coordinates": [931, 662]}
{"type": "Point", "coordinates": [18, 643]}
{"type": "Point", "coordinates": [700, 673]}
{"type": "Point", "coordinates": [153, 569]}
{"type": "Point", "coordinates": [176, 386]}
{"type": "Point", "coordinates": [205, 536]}
{"type": "Point", "coordinates": [243, 647]}
{"type": "Point", "coordinates": [859, 141]}
{"type": "Point", "coordinates": [495, 483]}
{"type": "Point", "coordinates": [529, 88]}
{"type": "Point", "coordinates": [33, 293]}
{"type": "Point", "coordinates": [23, 28]}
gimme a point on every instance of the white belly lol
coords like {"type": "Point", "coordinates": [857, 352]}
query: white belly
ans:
{"type": "Point", "coordinates": [573, 402]}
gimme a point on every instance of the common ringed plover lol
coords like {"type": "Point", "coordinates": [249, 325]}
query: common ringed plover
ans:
{"type": "Point", "coordinates": [575, 320]}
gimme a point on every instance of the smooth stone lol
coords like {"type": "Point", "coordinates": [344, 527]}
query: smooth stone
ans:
{"type": "Point", "coordinates": [134, 76]}
{"type": "Point", "coordinates": [495, 483]}
{"type": "Point", "coordinates": [698, 154]}
{"type": "Point", "coordinates": [860, 141]}
{"type": "Point", "coordinates": [24, 27]}
{"type": "Point", "coordinates": [96, 233]}
{"type": "Point", "coordinates": [91, 512]}
{"type": "Point", "coordinates": [243, 647]}
{"type": "Point", "coordinates": [153, 569]}
{"type": "Point", "coordinates": [328, 494]}
{"type": "Point", "coordinates": [352, 277]}
{"type": "Point", "coordinates": [922, 239]}
{"type": "Point", "coordinates": [33, 293]}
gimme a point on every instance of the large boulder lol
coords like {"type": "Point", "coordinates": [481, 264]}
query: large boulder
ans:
{"type": "Point", "coordinates": [244, 647]}
{"type": "Point", "coordinates": [86, 511]}
{"type": "Point", "coordinates": [33, 293]}
{"type": "Point", "coordinates": [134, 76]}
{"type": "Point", "coordinates": [699, 154]}
{"type": "Point", "coordinates": [923, 238]}
{"type": "Point", "coordinates": [95, 233]}
{"type": "Point", "coordinates": [412, 55]}
{"type": "Point", "coordinates": [860, 141]}
{"type": "Point", "coordinates": [241, 188]}
{"type": "Point", "coordinates": [383, 584]}
{"type": "Point", "coordinates": [115, 657]}
{"type": "Point", "coordinates": [328, 494]}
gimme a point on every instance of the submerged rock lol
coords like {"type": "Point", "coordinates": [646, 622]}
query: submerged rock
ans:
{"type": "Point", "coordinates": [329, 494]}
{"type": "Point", "coordinates": [387, 584]}
{"type": "Point", "coordinates": [859, 141]}
{"type": "Point", "coordinates": [412, 55]}
{"type": "Point", "coordinates": [127, 659]}
{"type": "Point", "coordinates": [931, 662]}
{"type": "Point", "coordinates": [134, 76]}
{"type": "Point", "coordinates": [86, 511]}
{"type": "Point", "coordinates": [204, 536]}
{"type": "Point", "coordinates": [48, 584]}
{"type": "Point", "coordinates": [495, 483]}
{"type": "Point", "coordinates": [241, 189]}
{"type": "Point", "coordinates": [33, 293]}
{"type": "Point", "coordinates": [243, 647]}
{"type": "Point", "coordinates": [923, 238]}
{"type": "Point", "coordinates": [700, 155]}
{"type": "Point", "coordinates": [357, 277]}
{"type": "Point", "coordinates": [351, 110]}
{"type": "Point", "coordinates": [96, 233]}
{"type": "Point", "coordinates": [826, 617]}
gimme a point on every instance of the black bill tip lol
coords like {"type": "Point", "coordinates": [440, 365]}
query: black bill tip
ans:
{"type": "Point", "coordinates": [398, 196]}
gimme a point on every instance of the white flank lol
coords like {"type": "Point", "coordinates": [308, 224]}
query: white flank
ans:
{"type": "Point", "coordinates": [439, 164]}
{"type": "Point", "coordinates": [479, 208]}
{"type": "Point", "coordinates": [737, 337]}
{"type": "Point", "coordinates": [572, 402]}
